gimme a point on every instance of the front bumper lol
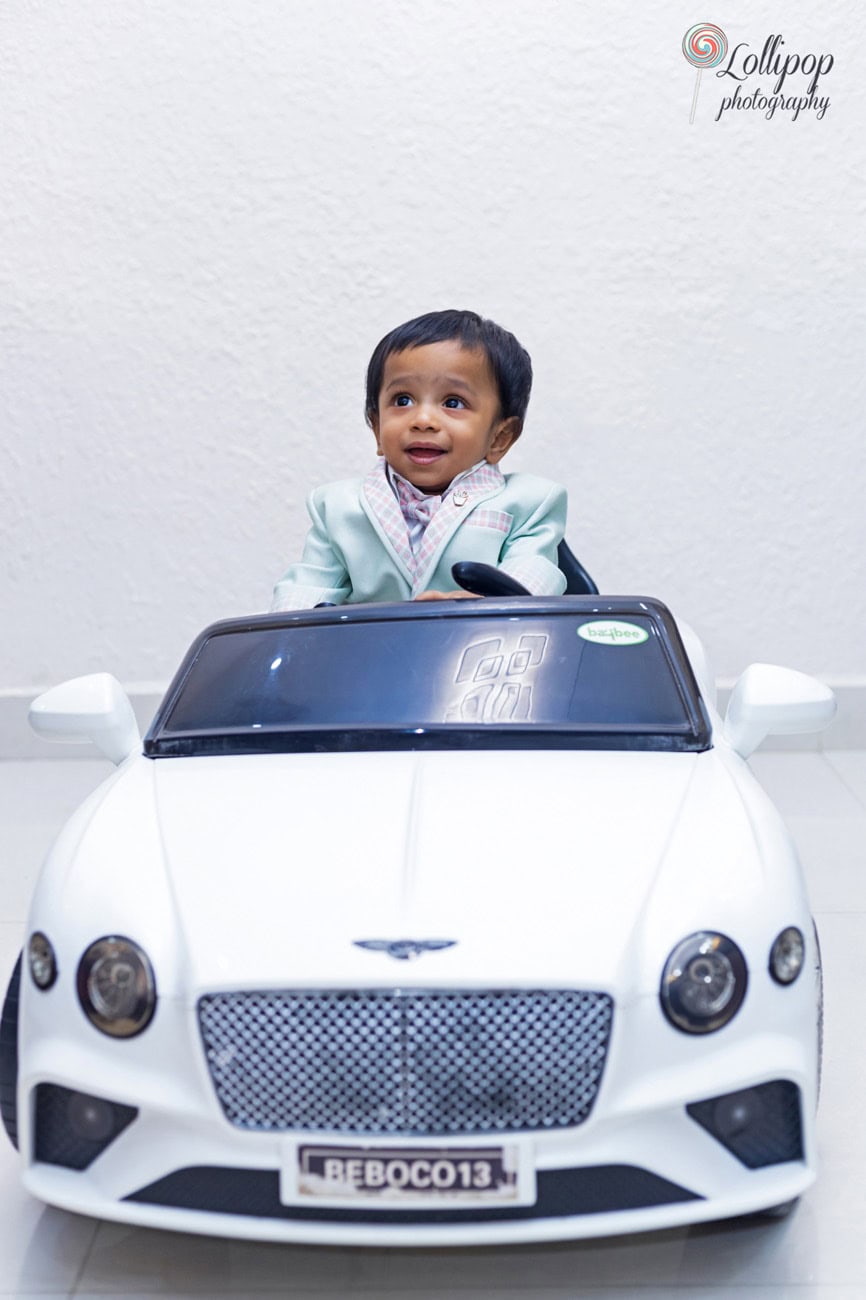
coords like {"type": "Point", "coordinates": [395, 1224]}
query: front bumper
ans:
{"type": "Point", "coordinates": [640, 1161]}
{"type": "Point", "coordinates": [242, 1200]}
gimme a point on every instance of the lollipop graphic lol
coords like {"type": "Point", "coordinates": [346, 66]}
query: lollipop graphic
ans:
{"type": "Point", "coordinates": [704, 45]}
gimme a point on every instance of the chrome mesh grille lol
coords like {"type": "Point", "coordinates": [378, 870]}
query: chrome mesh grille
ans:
{"type": "Point", "coordinates": [406, 1061]}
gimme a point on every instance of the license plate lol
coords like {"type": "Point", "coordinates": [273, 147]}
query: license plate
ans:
{"type": "Point", "coordinates": [432, 1176]}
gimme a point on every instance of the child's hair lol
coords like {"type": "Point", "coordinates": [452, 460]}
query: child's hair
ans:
{"type": "Point", "coordinates": [512, 368]}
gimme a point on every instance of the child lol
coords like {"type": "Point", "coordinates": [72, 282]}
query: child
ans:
{"type": "Point", "coordinates": [446, 397]}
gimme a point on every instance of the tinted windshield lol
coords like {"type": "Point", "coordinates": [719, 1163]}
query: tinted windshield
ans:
{"type": "Point", "coordinates": [364, 681]}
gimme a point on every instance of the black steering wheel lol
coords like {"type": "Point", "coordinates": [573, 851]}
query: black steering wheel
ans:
{"type": "Point", "coordinates": [485, 580]}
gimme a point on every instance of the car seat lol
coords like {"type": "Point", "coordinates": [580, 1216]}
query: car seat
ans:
{"type": "Point", "coordinates": [577, 580]}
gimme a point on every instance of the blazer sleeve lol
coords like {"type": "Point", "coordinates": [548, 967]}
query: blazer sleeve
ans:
{"type": "Point", "coordinates": [529, 553]}
{"type": "Point", "coordinates": [321, 573]}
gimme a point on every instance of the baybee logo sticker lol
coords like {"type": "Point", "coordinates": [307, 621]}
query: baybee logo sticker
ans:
{"type": "Point", "coordinates": [611, 631]}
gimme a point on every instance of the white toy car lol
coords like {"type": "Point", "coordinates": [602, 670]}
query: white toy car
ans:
{"type": "Point", "coordinates": [423, 924]}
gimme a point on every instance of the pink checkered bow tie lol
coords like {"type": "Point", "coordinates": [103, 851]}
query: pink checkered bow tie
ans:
{"type": "Point", "coordinates": [416, 505]}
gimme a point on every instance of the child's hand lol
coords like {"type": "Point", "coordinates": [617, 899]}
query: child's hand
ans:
{"type": "Point", "coordinates": [447, 595]}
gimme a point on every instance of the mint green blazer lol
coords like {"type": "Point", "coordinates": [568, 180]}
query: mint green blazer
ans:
{"type": "Point", "coordinates": [358, 549]}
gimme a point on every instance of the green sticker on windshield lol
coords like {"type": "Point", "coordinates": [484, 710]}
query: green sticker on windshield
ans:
{"type": "Point", "coordinates": [610, 631]}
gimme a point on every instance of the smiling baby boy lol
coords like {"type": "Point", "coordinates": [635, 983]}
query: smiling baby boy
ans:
{"type": "Point", "coordinates": [446, 399]}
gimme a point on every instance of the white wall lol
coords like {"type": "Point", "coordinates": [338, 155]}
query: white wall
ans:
{"type": "Point", "coordinates": [212, 210]}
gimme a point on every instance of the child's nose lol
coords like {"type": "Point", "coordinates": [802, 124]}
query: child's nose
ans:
{"type": "Point", "coordinates": [425, 415]}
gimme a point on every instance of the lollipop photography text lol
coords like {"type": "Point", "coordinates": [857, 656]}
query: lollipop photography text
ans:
{"type": "Point", "coordinates": [784, 93]}
{"type": "Point", "coordinates": [771, 62]}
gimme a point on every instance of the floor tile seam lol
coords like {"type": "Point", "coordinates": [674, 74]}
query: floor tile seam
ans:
{"type": "Point", "coordinates": [843, 779]}
{"type": "Point", "coordinates": [601, 1288]}
{"type": "Point", "coordinates": [798, 818]}
{"type": "Point", "coordinates": [693, 1290]}
{"type": "Point", "coordinates": [506, 1287]}
{"type": "Point", "coordinates": [702, 1291]}
{"type": "Point", "coordinates": [82, 1268]}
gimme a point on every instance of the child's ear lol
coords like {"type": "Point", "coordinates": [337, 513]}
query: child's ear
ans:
{"type": "Point", "coordinates": [504, 438]}
{"type": "Point", "coordinates": [373, 421]}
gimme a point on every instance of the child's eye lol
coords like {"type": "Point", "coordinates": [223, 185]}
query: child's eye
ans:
{"type": "Point", "coordinates": [454, 403]}
{"type": "Point", "coordinates": [402, 399]}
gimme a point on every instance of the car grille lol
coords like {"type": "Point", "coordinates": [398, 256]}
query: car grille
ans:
{"type": "Point", "coordinates": [406, 1061]}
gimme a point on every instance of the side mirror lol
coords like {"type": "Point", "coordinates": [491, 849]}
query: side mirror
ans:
{"type": "Point", "coordinates": [772, 701]}
{"type": "Point", "coordinates": [93, 708]}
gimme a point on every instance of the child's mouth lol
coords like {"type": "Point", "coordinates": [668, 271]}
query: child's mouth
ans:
{"type": "Point", "coordinates": [424, 455]}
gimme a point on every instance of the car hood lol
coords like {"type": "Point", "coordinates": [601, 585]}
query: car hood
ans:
{"type": "Point", "coordinates": [538, 865]}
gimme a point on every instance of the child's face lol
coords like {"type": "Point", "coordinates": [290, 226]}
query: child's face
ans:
{"type": "Point", "coordinates": [439, 414]}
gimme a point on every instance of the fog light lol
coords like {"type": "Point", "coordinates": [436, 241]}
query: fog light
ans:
{"type": "Point", "coordinates": [90, 1118]}
{"type": "Point", "coordinates": [116, 987]}
{"type": "Point", "coordinates": [760, 1126]}
{"type": "Point", "coordinates": [43, 963]}
{"type": "Point", "coordinates": [736, 1113]}
{"type": "Point", "coordinates": [786, 955]}
{"type": "Point", "coordinates": [703, 983]}
{"type": "Point", "coordinates": [72, 1129]}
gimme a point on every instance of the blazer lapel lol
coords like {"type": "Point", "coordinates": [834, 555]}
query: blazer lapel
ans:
{"type": "Point", "coordinates": [383, 510]}
{"type": "Point", "coordinates": [481, 483]}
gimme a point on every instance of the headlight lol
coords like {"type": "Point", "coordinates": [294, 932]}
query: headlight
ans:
{"type": "Point", "coordinates": [786, 955]}
{"type": "Point", "coordinates": [704, 983]}
{"type": "Point", "coordinates": [42, 961]}
{"type": "Point", "coordinates": [116, 987]}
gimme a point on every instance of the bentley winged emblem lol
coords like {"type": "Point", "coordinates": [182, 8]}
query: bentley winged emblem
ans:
{"type": "Point", "coordinates": [404, 949]}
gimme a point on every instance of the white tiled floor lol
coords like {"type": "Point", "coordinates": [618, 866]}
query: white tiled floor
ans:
{"type": "Point", "coordinates": [819, 1253]}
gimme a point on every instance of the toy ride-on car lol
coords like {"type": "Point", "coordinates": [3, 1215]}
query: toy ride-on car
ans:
{"type": "Point", "coordinates": [449, 923]}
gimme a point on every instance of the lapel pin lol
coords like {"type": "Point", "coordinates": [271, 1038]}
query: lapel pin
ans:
{"type": "Point", "coordinates": [460, 497]}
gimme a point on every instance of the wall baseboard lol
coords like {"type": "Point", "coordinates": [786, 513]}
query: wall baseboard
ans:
{"type": "Point", "coordinates": [18, 741]}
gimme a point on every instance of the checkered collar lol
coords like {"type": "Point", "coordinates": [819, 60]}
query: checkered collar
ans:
{"type": "Point", "coordinates": [384, 495]}
{"type": "Point", "coordinates": [418, 507]}
{"type": "Point", "coordinates": [476, 476]}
